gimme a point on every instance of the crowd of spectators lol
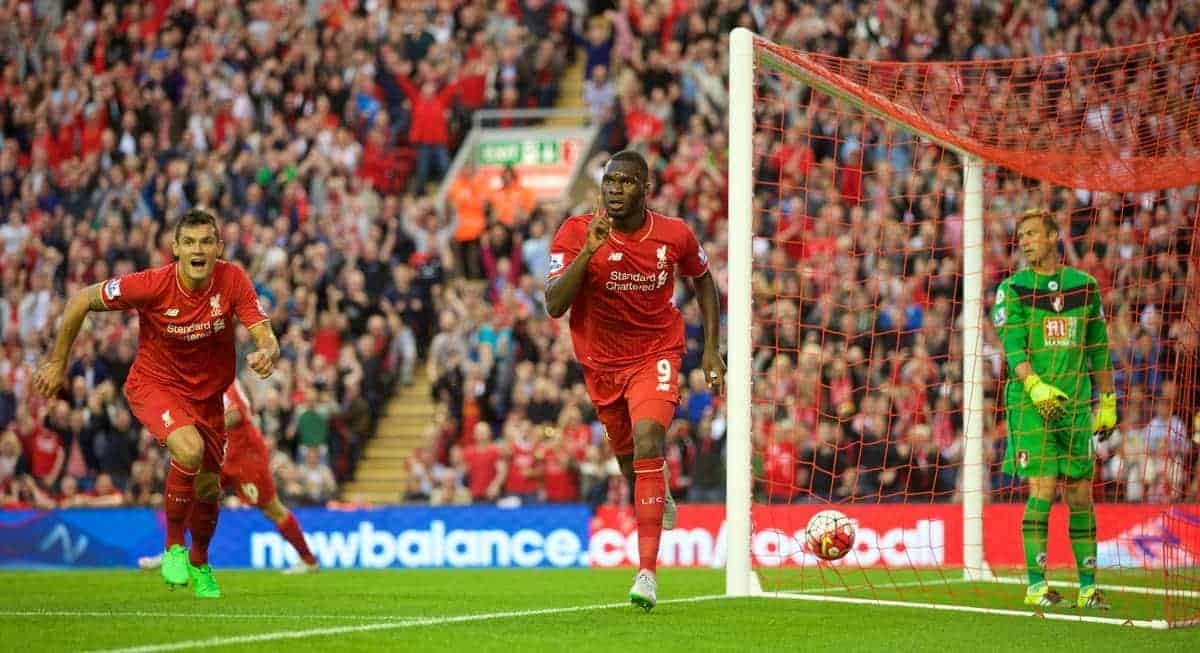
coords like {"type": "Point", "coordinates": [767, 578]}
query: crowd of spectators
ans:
{"type": "Point", "coordinates": [317, 131]}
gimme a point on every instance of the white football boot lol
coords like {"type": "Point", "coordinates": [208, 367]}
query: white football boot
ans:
{"type": "Point", "coordinates": [644, 593]}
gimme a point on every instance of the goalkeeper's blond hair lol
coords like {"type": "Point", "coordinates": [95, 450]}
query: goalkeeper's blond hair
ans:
{"type": "Point", "coordinates": [1044, 215]}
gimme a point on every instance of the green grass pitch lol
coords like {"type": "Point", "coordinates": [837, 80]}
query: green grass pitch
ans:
{"type": "Point", "coordinates": [534, 610]}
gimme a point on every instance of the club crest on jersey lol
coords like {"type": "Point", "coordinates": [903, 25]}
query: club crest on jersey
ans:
{"type": "Point", "coordinates": [214, 303]}
{"type": "Point", "coordinates": [112, 289]}
{"type": "Point", "coordinates": [1057, 303]}
{"type": "Point", "coordinates": [661, 253]}
{"type": "Point", "coordinates": [167, 419]}
{"type": "Point", "coordinates": [1023, 459]}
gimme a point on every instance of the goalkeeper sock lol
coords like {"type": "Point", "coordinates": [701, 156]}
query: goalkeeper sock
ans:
{"type": "Point", "coordinates": [290, 529]}
{"type": "Point", "coordinates": [179, 496]}
{"type": "Point", "coordinates": [1082, 529]}
{"type": "Point", "coordinates": [649, 502]}
{"type": "Point", "coordinates": [1034, 527]}
{"type": "Point", "coordinates": [202, 524]}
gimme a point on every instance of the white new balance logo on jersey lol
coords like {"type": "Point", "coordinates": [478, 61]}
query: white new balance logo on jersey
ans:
{"type": "Point", "coordinates": [171, 312]}
{"type": "Point", "coordinates": [616, 256]}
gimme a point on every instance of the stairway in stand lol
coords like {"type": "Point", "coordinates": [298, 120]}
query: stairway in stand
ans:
{"type": "Point", "coordinates": [382, 472]}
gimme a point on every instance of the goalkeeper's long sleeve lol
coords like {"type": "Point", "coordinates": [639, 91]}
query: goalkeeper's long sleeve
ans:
{"type": "Point", "coordinates": [1096, 336]}
{"type": "Point", "coordinates": [1011, 319]}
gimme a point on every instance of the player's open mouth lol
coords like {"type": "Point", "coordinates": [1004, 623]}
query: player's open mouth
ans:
{"type": "Point", "coordinates": [198, 263]}
{"type": "Point", "coordinates": [616, 204]}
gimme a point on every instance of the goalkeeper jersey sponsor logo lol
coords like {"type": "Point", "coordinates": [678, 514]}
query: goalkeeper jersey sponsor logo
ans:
{"type": "Point", "coordinates": [1060, 331]}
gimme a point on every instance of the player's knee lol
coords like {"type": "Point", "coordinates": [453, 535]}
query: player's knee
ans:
{"type": "Point", "coordinates": [648, 437]}
{"type": "Point", "coordinates": [1079, 495]}
{"type": "Point", "coordinates": [186, 447]}
{"type": "Point", "coordinates": [208, 487]}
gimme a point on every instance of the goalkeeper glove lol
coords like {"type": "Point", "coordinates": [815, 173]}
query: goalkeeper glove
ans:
{"type": "Point", "coordinates": [1047, 399]}
{"type": "Point", "coordinates": [1105, 419]}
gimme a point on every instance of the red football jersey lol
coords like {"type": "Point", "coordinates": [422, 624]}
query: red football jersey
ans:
{"type": "Point", "coordinates": [481, 467]}
{"type": "Point", "coordinates": [245, 431]}
{"type": "Point", "coordinates": [779, 467]}
{"type": "Point", "coordinates": [186, 340]}
{"type": "Point", "coordinates": [624, 312]}
{"type": "Point", "coordinates": [521, 461]}
{"type": "Point", "coordinates": [558, 479]}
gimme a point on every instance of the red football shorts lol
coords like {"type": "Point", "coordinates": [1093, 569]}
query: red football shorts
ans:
{"type": "Point", "coordinates": [246, 470]}
{"type": "Point", "coordinates": [163, 412]}
{"type": "Point", "coordinates": [625, 397]}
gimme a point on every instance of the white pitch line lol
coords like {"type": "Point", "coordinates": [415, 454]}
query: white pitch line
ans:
{"type": "Point", "coordinates": [854, 588]}
{"type": "Point", "coordinates": [186, 615]}
{"type": "Point", "coordinates": [1132, 589]}
{"type": "Point", "coordinates": [1157, 624]}
{"type": "Point", "coordinates": [390, 625]}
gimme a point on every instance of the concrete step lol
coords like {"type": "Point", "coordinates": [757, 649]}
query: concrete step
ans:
{"type": "Point", "coordinates": [377, 472]}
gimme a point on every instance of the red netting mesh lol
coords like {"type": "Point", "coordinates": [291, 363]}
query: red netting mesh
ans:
{"type": "Point", "coordinates": [1121, 119]}
{"type": "Point", "coordinates": [858, 295]}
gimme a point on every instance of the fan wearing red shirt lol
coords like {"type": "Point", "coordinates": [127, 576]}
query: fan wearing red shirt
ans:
{"type": "Point", "coordinates": [186, 357]}
{"type": "Point", "coordinates": [615, 270]}
{"type": "Point", "coordinates": [484, 461]}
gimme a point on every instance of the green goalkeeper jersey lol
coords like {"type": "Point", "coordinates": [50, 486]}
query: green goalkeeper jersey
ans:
{"type": "Point", "coordinates": [1055, 322]}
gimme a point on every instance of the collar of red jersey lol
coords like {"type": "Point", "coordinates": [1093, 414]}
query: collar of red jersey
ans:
{"type": "Point", "coordinates": [199, 291]}
{"type": "Point", "coordinates": [648, 226]}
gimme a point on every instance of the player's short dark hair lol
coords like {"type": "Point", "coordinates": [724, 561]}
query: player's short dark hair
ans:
{"type": "Point", "coordinates": [1047, 218]}
{"type": "Point", "coordinates": [634, 157]}
{"type": "Point", "coordinates": [196, 218]}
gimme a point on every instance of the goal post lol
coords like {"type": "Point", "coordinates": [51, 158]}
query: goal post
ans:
{"type": "Point", "coordinates": [871, 217]}
{"type": "Point", "coordinates": [739, 577]}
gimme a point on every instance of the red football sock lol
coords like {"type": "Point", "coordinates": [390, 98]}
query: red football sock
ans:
{"type": "Point", "coordinates": [649, 501]}
{"type": "Point", "coordinates": [290, 529]}
{"type": "Point", "coordinates": [180, 494]}
{"type": "Point", "coordinates": [202, 524]}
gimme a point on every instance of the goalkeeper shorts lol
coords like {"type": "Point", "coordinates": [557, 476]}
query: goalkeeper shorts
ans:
{"type": "Point", "coordinates": [1062, 449]}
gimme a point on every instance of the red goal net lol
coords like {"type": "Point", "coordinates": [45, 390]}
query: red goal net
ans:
{"type": "Point", "coordinates": [858, 394]}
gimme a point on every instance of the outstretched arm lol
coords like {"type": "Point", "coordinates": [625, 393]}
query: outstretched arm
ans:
{"type": "Point", "coordinates": [710, 307]}
{"type": "Point", "coordinates": [53, 370]}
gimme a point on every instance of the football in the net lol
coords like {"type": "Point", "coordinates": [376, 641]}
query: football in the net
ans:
{"type": "Point", "coordinates": [829, 535]}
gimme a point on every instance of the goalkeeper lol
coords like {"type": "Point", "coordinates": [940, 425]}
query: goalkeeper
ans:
{"type": "Point", "coordinates": [1051, 325]}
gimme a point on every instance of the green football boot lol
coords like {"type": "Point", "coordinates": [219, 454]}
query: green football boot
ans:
{"type": "Point", "coordinates": [174, 568]}
{"type": "Point", "coordinates": [1041, 596]}
{"type": "Point", "coordinates": [203, 582]}
{"type": "Point", "coordinates": [1091, 597]}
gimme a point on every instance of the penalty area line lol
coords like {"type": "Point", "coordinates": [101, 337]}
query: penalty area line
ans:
{"type": "Point", "coordinates": [389, 625]}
